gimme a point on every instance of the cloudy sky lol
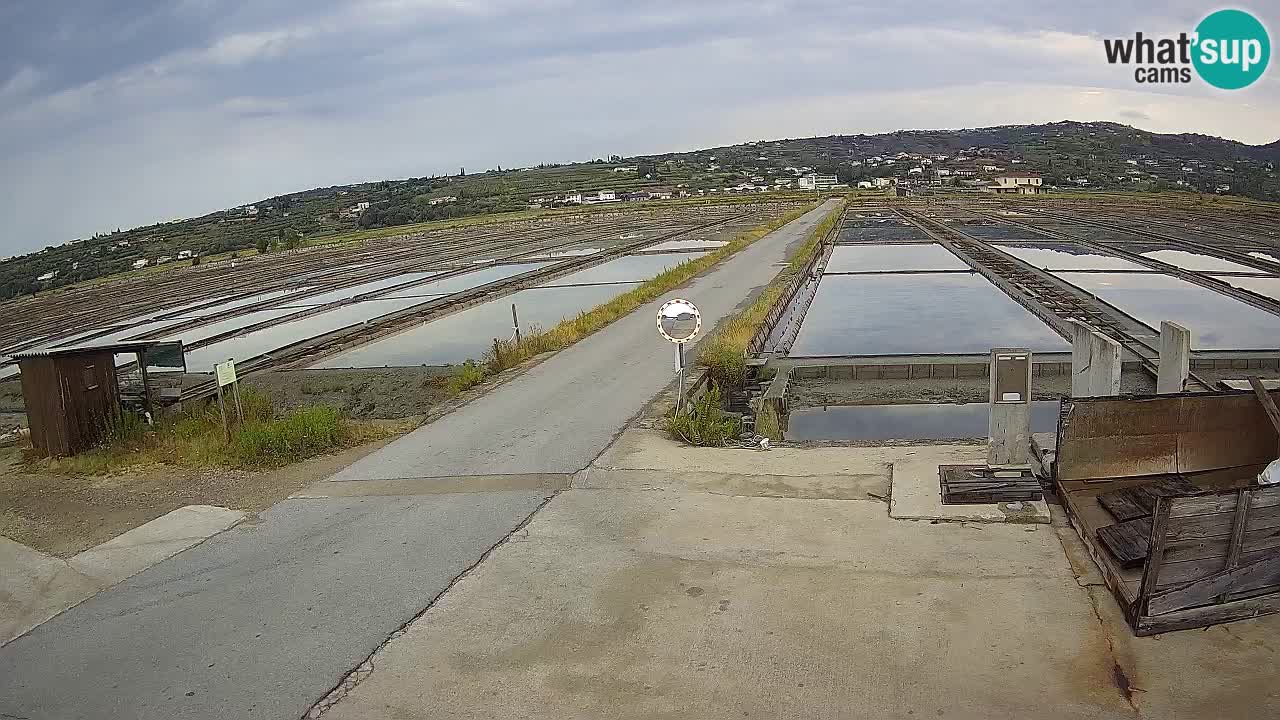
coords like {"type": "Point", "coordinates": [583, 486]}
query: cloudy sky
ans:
{"type": "Point", "coordinates": [115, 113]}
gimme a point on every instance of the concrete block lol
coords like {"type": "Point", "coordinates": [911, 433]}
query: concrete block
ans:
{"type": "Point", "coordinates": [148, 544]}
{"type": "Point", "coordinates": [916, 491]}
{"type": "Point", "coordinates": [1095, 362]}
{"type": "Point", "coordinates": [1175, 358]}
{"type": "Point", "coordinates": [1009, 439]}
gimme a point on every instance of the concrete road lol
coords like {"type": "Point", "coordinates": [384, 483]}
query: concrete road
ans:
{"type": "Point", "coordinates": [562, 413]}
{"type": "Point", "coordinates": [730, 584]}
{"type": "Point", "coordinates": [262, 621]}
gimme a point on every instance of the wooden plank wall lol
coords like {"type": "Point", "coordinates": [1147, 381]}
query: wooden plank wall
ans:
{"type": "Point", "coordinates": [1213, 549]}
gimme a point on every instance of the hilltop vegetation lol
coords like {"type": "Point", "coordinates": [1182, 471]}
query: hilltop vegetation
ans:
{"type": "Point", "coordinates": [1069, 154]}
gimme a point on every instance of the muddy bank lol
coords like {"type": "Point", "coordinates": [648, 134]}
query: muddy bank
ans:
{"type": "Point", "coordinates": [384, 393]}
{"type": "Point", "coordinates": [819, 392]}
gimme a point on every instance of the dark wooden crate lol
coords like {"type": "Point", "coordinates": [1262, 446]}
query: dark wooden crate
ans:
{"type": "Point", "coordinates": [970, 484]}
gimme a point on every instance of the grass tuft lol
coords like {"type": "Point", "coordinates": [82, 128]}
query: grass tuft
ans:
{"type": "Point", "coordinates": [705, 423]}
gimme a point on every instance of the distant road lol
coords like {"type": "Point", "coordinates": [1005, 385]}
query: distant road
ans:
{"type": "Point", "coordinates": [261, 621]}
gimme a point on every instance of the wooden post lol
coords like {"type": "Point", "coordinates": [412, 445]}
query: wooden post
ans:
{"type": "Point", "coordinates": [515, 322]}
{"type": "Point", "coordinates": [147, 408]}
{"type": "Point", "coordinates": [235, 393]}
{"type": "Point", "coordinates": [222, 410]}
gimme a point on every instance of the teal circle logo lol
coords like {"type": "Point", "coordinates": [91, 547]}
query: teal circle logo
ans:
{"type": "Point", "coordinates": [1231, 50]}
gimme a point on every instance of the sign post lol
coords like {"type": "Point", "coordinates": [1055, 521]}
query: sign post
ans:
{"type": "Point", "coordinates": [226, 375]}
{"type": "Point", "coordinates": [679, 322]}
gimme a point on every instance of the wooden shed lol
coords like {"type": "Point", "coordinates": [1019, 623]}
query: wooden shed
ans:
{"type": "Point", "coordinates": [1163, 491]}
{"type": "Point", "coordinates": [72, 395]}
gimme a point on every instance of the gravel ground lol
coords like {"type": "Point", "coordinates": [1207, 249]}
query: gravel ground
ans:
{"type": "Point", "coordinates": [386, 393]}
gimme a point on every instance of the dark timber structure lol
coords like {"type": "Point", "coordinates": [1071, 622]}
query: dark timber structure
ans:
{"type": "Point", "coordinates": [1163, 492]}
{"type": "Point", "coordinates": [73, 395]}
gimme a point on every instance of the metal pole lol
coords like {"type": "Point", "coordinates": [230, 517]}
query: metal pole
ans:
{"type": "Point", "coordinates": [235, 393]}
{"type": "Point", "coordinates": [515, 322]}
{"type": "Point", "coordinates": [680, 364]}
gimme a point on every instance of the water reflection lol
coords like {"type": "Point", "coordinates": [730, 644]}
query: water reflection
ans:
{"type": "Point", "coordinates": [907, 422]}
{"type": "Point", "coordinates": [916, 314]}
{"type": "Point", "coordinates": [1069, 257]}
{"type": "Point", "coordinates": [469, 333]}
{"type": "Point", "coordinates": [901, 256]}
{"type": "Point", "coordinates": [1216, 321]}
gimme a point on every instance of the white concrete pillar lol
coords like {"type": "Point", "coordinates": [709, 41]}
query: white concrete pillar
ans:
{"type": "Point", "coordinates": [1009, 442]}
{"type": "Point", "coordinates": [1095, 362]}
{"type": "Point", "coordinates": [1175, 358]}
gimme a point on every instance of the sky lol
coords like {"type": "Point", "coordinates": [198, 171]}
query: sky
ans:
{"type": "Point", "coordinates": [118, 113]}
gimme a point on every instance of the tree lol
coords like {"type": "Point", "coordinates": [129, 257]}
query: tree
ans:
{"type": "Point", "coordinates": [264, 244]}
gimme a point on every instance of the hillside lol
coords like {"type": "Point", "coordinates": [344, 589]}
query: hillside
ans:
{"type": "Point", "coordinates": [1070, 155]}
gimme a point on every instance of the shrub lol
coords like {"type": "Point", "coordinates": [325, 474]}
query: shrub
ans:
{"type": "Point", "coordinates": [468, 376]}
{"type": "Point", "coordinates": [296, 436]}
{"type": "Point", "coordinates": [705, 423]}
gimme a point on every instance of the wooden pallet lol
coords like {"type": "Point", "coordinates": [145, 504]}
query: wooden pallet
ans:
{"type": "Point", "coordinates": [969, 484]}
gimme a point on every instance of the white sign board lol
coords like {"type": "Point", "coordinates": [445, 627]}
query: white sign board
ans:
{"type": "Point", "coordinates": [226, 372]}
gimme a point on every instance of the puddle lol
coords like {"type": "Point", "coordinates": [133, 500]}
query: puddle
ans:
{"type": "Point", "coordinates": [997, 232]}
{"type": "Point", "coordinates": [197, 334]}
{"type": "Point", "coordinates": [1069, 257]}
{"type": "Point", "coordinates": [1217, 322]}
{"type": "Point", "coordinates": [466, 281]}
{"type": "Point", "coordinates": [907, 422]}
{"type": "Point", "coordinates": [349, 292]}
{"type": "Point", "coordinates": [468, 334]}
{"type": "Point", "coordinates": [903, 256]}
{"type": "Point", "coordinates": [686, 245]}
{"type": "Point", "coordinates": [245, 347]}
{"type": "Point", "coordinates": [1264, 286]}
{"type": "Point", "coordinates": [917, 314]}
{"type": "Point", "coordinates": [188, 314]}
{"type": "Point", "coordinates": [882, 232]}
{"type": "Point", "coordinates": [1197, 261]}
{"type": "Point", "coordinates": [628, 268]}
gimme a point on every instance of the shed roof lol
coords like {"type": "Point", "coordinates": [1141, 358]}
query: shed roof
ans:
{"type": "Point", "coordinates": [117, 347]}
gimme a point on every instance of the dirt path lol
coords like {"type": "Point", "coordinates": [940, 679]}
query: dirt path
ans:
{"type": "Point", "coordinates": [64, 514]}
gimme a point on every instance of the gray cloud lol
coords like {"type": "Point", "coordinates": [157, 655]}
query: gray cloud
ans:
{"type": "Point", "coordinates": [121, 112]}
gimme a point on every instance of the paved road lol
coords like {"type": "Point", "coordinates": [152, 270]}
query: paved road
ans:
{"type": "Point", "coordinates": [261, 621]}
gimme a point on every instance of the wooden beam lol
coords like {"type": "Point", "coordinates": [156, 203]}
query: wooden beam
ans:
{"type": "Point", "coordinates": [1267, 403]}
{"type": "Point", "coordinates": [1151, 572]}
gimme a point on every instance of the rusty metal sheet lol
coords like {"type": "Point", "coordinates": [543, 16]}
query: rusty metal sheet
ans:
{"type": "Point", "coordinates": [1218, 431]}
{"type": "Point", "coordinates": [1128, 437]}
{"type": "Point", "coordinates": [1107, 458]}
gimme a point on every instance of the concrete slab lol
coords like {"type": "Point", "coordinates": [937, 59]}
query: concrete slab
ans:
{"type": "Point", "coordinates": [261, 620]}
{"type": "Point", "coordinates": [140, 548]}
{"type": "Point", "coordinates": [640, 594]}
{"type": "Point", "coordinates": [34, 587]}
{"type": "Point", "coordinates": [916, 495]}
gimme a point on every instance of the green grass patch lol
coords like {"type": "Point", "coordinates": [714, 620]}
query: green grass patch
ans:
{"type": "Point", "coordinates": [705, 422]}
{"type": "Point", "coordinates": [507, 354]}
{"type": "Point", "coordinates": [193, 437]}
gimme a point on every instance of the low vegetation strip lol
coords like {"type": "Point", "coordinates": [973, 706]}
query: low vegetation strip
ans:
{"type": "Point", "coordinates": [194, 437]}
{"type": "Point", "coordinates": [511, 353]}
{"type": "Point", "coordinates": [724, 353]}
